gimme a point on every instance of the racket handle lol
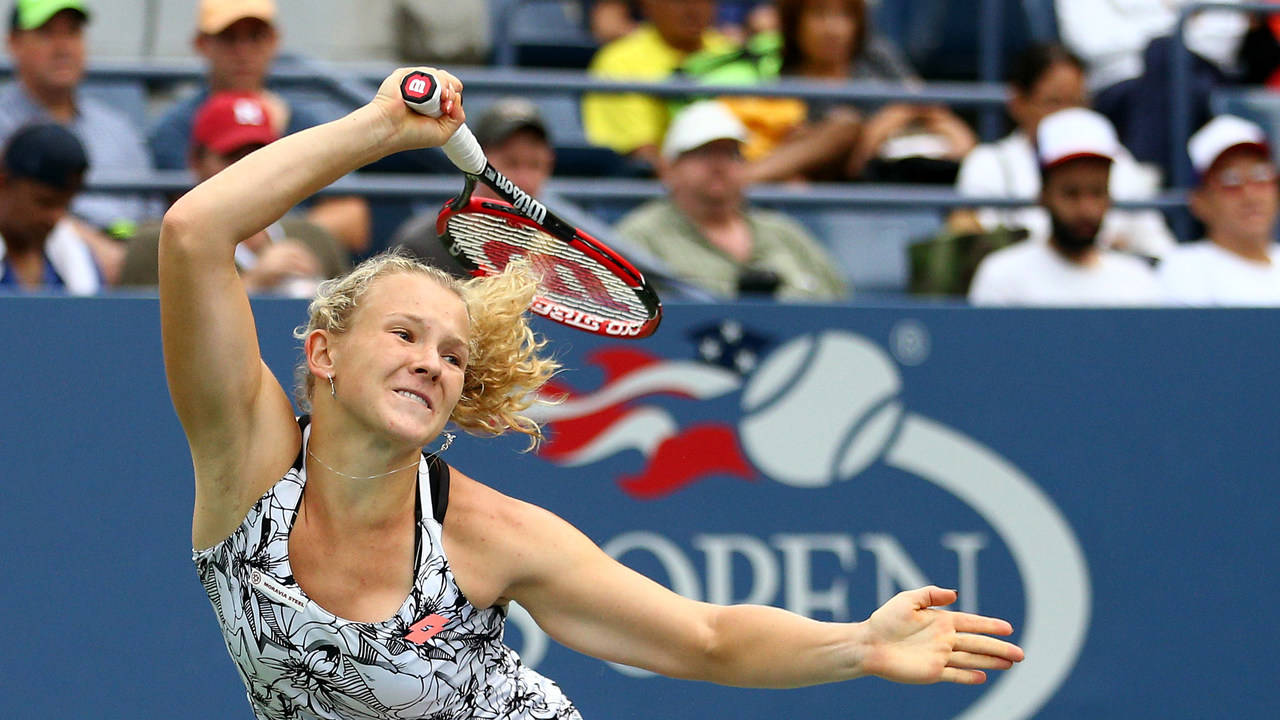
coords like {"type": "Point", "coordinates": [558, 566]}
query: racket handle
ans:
{"type": "Point", "coordinates": [421, 92]}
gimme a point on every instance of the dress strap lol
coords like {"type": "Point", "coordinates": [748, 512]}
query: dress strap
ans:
{"type": "Point", "coordinates": [303, 422]}
{"type": "Point", "coordinates": [439, 479]}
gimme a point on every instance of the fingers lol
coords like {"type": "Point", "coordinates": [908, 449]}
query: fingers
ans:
{"type": "Point", "coordinates": [450, 93]}
{"type": "Point", "coordinates": [974, 661]}
{"type": "Point", "coordinates": [983, 645]}
{"type": "Point", "coordinates": [968, 622]}
{"type": "Point", "coordinates": [962, 676]}
{"type": "Point", "coordinates": [932, 596]}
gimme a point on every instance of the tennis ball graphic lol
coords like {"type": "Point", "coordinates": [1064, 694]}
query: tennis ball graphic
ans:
{"type": "Point", "coordinates": [820, 408]}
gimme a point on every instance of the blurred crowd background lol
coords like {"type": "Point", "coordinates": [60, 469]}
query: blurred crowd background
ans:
{"type": "Point", "coordinates": [821, 150]}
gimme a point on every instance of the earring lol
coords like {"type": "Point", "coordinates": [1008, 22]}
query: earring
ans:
{"type": "Point", "coordinates": [448, 440]}
{"type": "Point", "coordinates": [333, 391]}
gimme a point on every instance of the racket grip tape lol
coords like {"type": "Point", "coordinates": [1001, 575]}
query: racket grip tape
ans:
{"type": "Point", "coordinates": [421, 92]}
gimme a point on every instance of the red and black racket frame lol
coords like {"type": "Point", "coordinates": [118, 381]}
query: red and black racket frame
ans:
{"type": "Point", "coordinates": [506, 211]}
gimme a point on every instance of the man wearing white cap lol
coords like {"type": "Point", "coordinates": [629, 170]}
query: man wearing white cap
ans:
{"type": "Point", "coordinates": [1237, 199]}
{"type": "Point", "coordinates": [706, 232]}
{"type": "Point", "coordinates": [1076, 148]}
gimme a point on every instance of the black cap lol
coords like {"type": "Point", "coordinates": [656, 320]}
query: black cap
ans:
{"type": "Point", "coordinates": [47, 153]}
{"type": "Point", "coordinates": [506, 116]}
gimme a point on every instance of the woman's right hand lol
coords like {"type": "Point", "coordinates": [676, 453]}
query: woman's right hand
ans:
{"type": "Point", "coordinates": [410, 130]}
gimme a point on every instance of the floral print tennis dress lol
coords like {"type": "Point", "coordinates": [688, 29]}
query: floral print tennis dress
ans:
{"type": "Point", "coordinates": [437, 658]}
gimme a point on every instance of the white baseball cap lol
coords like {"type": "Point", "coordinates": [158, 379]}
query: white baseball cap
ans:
{"type": "Point", "coordinates": [1221, 134]}
{"type": "Point", "coordinates": [700, 123]}
{"type": "Point", "coordinates": [1075, 133]}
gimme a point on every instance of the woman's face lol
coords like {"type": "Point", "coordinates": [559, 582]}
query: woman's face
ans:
{"type": "Point", "coordinates": [399, 367]}
{"type": "Point", "coordinates": [1058, 88]}
{"type": "Point", "coordinates": [826, 32]}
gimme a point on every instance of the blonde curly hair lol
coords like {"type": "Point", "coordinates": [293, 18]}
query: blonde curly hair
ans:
{"type": "Point", "coordinates": [505, 369]}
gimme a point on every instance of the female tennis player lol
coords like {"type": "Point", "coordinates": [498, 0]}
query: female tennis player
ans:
{"type": "Point", "coordinates": [353, 576]}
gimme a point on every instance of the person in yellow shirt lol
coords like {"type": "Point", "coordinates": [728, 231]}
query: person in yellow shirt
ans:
{"type": "Point", "coordinates": [634, 124]}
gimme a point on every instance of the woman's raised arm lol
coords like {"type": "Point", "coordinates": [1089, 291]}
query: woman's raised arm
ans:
{"type": "Point", "coordinates": [236, 415]}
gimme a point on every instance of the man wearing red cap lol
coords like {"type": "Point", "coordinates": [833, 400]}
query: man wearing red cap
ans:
{"type": "Point", "coordinates": [239, 39]}
{"type": "Point", "coordinates": [290, 257]}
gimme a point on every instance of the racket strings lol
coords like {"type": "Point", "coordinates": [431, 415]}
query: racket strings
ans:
{"type": "Point", "coordinates": [569, 276]}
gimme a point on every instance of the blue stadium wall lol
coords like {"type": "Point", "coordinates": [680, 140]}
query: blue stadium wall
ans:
{"type": "Point", "coordinates": [1100, 478]}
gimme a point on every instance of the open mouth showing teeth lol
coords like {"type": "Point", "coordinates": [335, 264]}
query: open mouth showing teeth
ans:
{"type": "Point", "coordinates": [411, 396]}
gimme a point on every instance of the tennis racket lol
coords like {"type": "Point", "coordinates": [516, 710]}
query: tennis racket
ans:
{"type": "Point", "coordinates": [582, 282]}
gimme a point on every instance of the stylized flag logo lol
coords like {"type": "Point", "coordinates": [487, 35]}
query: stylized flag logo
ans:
{"type": "Point", "coordinates": [621, 414]}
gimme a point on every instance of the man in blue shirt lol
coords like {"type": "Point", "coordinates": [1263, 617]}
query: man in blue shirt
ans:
{"type": "Point", "coordinates": [43, 169]}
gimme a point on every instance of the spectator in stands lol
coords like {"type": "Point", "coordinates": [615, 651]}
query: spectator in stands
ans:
{"type": "Point", "coordinates": [832, 41]}
{"type": "Point", "coordinates": [44, 167]}
{"type": "Point", "coordinates": [514, 137]}
{"type": "Point", "coordinates": [1128, 47]}
{"type": "Point", "coordinates": [609, 20]}
{"type": "Point", "coordinates": [633, 124]}
{"type": "Point", "coordinates": [1044, 79]}
{"type": "Point", "coordinates": [239, 40]}
{"type": "Point", "coordinates": [1077, 148]}
{"type": "Point", "coordinates": [290, 257]}
{"type": "Point", "coordinates": [706, 232]}
{"type": "Point", "coordinates": [1237, 199]}
{"type": "Point", "coordinates": [46, 42]}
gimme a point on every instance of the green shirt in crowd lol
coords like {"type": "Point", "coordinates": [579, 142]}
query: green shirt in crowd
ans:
{"type": "Point", "coordinates": [778, 244]}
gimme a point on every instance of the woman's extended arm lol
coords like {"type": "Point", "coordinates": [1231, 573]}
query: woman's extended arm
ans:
{"type": "Point", "coordinates": [590, 602]}
{"type": "Point", "coordinates": [237, 418]}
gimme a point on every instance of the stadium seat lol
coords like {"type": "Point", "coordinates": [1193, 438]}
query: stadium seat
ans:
{"type": "Point", "coordinates": [871, 245]}
{"type": "Point", "coordinates": [942, 39]}
{"type": "Point", "coordinates": [1042, 20]}
{"type": "Point", "coordinates": [541, 33]}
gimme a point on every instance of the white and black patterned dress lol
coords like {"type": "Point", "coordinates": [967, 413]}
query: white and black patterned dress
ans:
{"type": "Point", "coordinates": [438, 658]}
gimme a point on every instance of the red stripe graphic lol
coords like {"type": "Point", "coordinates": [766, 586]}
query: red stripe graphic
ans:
{"type": "Point", "coordinates": [619, 362]}
{"type": "Point", "coordinates": [692, 455]}
{"type": "Point", "coordinates": [569, 436]}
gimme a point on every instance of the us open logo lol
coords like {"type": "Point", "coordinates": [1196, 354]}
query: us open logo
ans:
{"type": "Point", "coordinates": [815, 414]}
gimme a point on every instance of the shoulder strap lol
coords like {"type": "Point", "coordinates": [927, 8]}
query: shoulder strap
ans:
{"type": "Point", "coordinates": [439, 479]}
{"type": "Point", "coordinates": [303, 422]}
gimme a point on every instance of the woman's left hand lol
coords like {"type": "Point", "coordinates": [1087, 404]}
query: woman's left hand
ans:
{"type": "Point", "coordinates": [910, 640]}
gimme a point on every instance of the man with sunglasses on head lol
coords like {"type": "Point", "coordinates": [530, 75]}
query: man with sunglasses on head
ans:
{"type": "Point", "coordinates": [1237, 199]}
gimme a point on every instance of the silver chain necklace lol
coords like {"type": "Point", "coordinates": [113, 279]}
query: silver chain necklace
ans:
{"type": "Point", "coordinates": [358, 477]}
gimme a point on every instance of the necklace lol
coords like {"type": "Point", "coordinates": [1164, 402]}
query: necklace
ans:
{"type": "Point", "coordinates": [358, 477]}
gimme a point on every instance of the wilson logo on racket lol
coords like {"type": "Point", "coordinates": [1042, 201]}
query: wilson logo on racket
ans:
{"type": "Point", "coordinates": [531, 208]}
{"type": "Point", "coordinates": [418, 86]}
